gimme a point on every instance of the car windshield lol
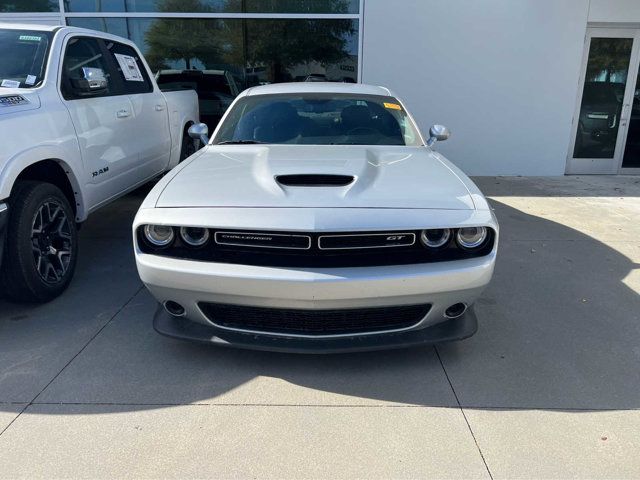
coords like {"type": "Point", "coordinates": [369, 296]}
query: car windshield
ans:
{"type": "Point", "coordinates": [23, 56]}
{"type": "Point", "coordinates": [318, 119]}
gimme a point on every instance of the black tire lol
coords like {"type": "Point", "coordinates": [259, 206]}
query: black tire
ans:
{"type": "Point", "coordinates": [42, 244]}
{"type": "Point", "coordinates": [188, 146]}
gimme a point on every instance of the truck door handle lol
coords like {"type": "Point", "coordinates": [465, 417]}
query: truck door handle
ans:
{"type": "Point", "coordinates": [159, 108]}
{"type": "Point", "coordinates": [123, 113]}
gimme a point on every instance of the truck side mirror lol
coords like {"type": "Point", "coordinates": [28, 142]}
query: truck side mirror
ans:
{"type": "Point", "coordinates": [93, 81]}
{"type": "Point", "coordinates": [199, 131]}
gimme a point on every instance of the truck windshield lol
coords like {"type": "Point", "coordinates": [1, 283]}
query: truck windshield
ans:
{"type": "Point", "coordinates": [318, 119]}
{"type": "Point", "coordinates": [23, 56]}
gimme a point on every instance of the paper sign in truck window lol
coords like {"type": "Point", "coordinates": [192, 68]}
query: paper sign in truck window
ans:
{"type": "Point", "coordinates": [129, 68]}
{"type": "Point", "coordinates": [10, 83]}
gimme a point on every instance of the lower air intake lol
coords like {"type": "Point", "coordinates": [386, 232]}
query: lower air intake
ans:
{"type": "Point", "coordinates": [314, 322]}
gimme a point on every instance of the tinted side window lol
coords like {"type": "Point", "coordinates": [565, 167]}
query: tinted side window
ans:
{"type": "Point", "coordinates": [86, 73]}
{"type": "Point", "coordinates": [130, 68]}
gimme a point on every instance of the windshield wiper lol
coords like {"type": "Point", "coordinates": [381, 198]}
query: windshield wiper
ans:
{"type": "Point", "coordinates": [239, 142]}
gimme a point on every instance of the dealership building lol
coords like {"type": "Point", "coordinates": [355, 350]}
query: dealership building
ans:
{"type": "Point", "coordinates": [528, 87]}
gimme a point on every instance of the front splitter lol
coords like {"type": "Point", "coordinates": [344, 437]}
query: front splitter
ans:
{"type": "Point", "coordinates": [448, 331]}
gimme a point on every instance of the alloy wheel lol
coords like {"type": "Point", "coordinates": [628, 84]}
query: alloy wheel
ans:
{"type": "Point", "coordinates": [51, 241]}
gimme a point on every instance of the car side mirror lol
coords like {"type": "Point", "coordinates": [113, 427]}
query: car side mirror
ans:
{"type": "Point", "coordinates": [438, 133]}
{"type": "Point", "coordinates": [199, 131]}
{"type": "Point", "coordinates": [92, 82]}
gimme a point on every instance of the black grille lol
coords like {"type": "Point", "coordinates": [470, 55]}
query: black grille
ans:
{"type": "Point", "coordinates": [264, 240]}
{"type": "Point", "coordinates": [314, 322]}
{"type": "Point", "coordinates": [370, 240]}
{"type": "Point", "coordinates": [287, 249]}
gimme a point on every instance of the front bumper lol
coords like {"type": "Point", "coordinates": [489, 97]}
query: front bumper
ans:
{"type": "Point", "coordinates": [450, 330]}
{"type": "Point", "coordinates": [440, 285]}
{"type": "Point", "coordinates": [4, 220]}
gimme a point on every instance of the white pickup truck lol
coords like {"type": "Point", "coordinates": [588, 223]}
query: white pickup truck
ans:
{"type": "Point", "coordinates": [82, 122]}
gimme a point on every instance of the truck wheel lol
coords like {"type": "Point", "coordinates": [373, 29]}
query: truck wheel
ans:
{"type": "Point", "coordinates": [188, 146]}
{"type": "Point", "coordinates": [42, 244]}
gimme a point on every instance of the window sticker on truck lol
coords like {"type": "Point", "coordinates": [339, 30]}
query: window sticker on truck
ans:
{"type": "Point", "coordinates": [129, 68]}
{"type": "Point", "coordinates": [10, 83]}
{"type": "Point", "coordinates": [30, 38]}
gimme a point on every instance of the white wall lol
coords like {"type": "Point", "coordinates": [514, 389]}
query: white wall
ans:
{"type": "Point", "coordinates": [501, 74]}
{"type": "Point", "coordinates": [627, 11]}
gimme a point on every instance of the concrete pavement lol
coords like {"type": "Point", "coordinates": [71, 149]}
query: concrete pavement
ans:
{"type": "Point", "coordinates": [549, 387]}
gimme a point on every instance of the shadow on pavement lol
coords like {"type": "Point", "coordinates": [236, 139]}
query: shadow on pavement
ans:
{"type": "Point", "coordinates": [559, 328]}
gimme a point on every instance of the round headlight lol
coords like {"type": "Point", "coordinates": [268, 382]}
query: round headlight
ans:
{"type": "Point", "coordinates": [194, 236]}
{"type": "Point", "coordinates": [159, 235]}
{"type": "Point", "coordinates": [435, 238]}
{"type": "Point", "coordinates": [471, 237]}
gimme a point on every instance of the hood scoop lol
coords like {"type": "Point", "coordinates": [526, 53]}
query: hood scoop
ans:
{"type": "Point", "coordinates": [314, 180]}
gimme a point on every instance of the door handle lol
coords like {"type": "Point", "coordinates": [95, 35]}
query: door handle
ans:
{"type": "Point", "coordinates": [123, 113]}
{"type": "Point", "coordinates": [159, 108]}
{"type": "Point", "coordinates": [625, 109]}
{"type": "Point", "coordinates": [624, 117]}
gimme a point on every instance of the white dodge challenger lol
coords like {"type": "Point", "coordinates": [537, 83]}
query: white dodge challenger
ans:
{"type": "Point", "coordinates": [316, 219]}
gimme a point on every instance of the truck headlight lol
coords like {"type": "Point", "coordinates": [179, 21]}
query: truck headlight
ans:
{"type": "Point", "coordinates": [194, 236]}
{"type": "Point", "coordinates": [159, 235]}
{"type": "Point", "coordinates": [471, 237]}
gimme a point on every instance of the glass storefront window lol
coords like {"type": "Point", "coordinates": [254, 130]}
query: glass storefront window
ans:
{"type": "Point", "coordinates": [214, 6]}
{"type": "Point", "coordinates": [301, 6]}
{"type": "Point", "coordinates": [9, 6]}
{"type": "Point", "coordinates": [256, 51]}
{"type": "Point", "coordinates": [221, 57]}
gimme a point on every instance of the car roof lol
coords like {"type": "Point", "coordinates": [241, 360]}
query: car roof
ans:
{"type": "Point", "coordinates": [318, 87]}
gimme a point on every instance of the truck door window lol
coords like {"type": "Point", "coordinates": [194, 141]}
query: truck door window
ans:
{"type": "Point", "coordinates": [130, 68]}
{"type": "Point", "coordinates": [85, 71]}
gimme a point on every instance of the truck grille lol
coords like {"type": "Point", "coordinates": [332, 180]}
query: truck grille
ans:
{"type": "Point", "coordinates": [314, 322]}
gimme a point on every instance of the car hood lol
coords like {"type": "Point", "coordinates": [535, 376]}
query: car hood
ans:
{"type": "Point", "coordinates": [248, 176]}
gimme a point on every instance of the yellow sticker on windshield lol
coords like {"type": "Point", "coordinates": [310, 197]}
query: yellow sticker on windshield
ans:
{"type": "Point", "coordinates": [392, 106]}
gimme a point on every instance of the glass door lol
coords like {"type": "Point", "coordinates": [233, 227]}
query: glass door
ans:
{"type": "Point", "coordinates": [601, 120]}
{"type": "Point", "coordinates": [631, 155]}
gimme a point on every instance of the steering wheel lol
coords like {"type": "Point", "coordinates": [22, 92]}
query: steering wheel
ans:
{"type": "Point", "coordinates": [363, 131]}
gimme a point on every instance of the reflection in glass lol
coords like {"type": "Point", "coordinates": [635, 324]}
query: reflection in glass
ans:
{"type": "Point", "coordinates": [29, 6]}
{"type": "Point", "coordinates": [301, 6]}
{"type": "Point", "coordinates": [255, 51]}
{"type": "Point", "coordinates": [213, 6]}
{"type": "Point", "coordinates": [300, 50]}
{"type": "Point", "coordinates": [220, 57]}
{"type": "Point", "coordinates": [318, 119]}
{"type": "Point", "coordinates": [631, 157]}
{"type": "Point", "coordinates": [601, 107]}
{"type": "Point", "coordinates": [179, 6]}
{"type": "Point", "coordinates": [23, 55]}
{"type": "Point", "coordinates": [216, 89]}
